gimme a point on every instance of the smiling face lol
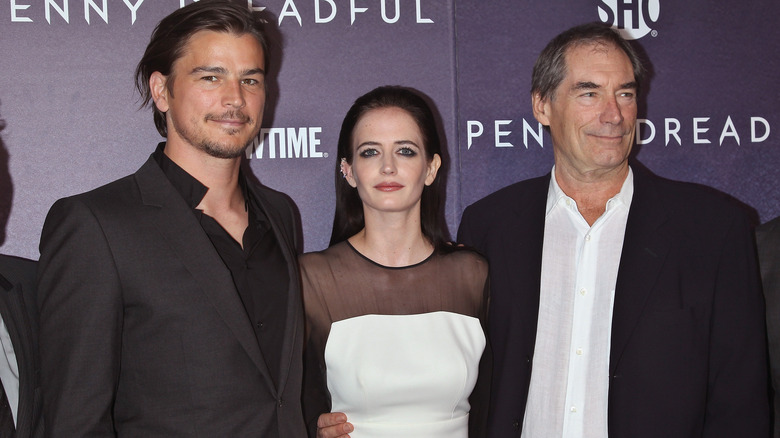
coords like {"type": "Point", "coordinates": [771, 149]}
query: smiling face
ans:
{"type": "Point", "coordinates": [216, 101]}
{"type": "Point", "coordinates": [389, 166]}
{"type": "Point", "coordinates": [592, 113]}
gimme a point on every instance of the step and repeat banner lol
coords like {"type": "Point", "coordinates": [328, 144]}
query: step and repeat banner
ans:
{"type": "Point", "coordinates": [72, 120]}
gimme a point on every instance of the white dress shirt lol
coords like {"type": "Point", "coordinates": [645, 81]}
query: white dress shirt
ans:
{"type": "Point", "coordinates": [9, 371]}
{"type": "Point", "coordinates": [570, 374]}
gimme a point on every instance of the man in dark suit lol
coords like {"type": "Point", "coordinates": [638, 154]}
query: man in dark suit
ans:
{"type": "Point", "coordinates": [622, 304]}
{"type": "Point", "coordinates": [768, 240]}
{"type": "Point", "coordinates": [169, 299]}
{"type": "Point", "coordinates": [20, 396]}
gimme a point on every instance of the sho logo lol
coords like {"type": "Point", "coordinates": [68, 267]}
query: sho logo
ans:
{"type": "Point", "coordinates": [632, 18]}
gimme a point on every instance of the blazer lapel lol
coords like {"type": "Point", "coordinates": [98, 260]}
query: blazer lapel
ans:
{"type": "Point", "coordinates": [645, 248]}
{"type": "Point", "coordinates": [294, 306]}
{"type": "Point", "coordinates": [17, 322]}
{"type": "Point", "coordinates": [179, 227]}
{"type": "Point", "coordinates": [531, 217]}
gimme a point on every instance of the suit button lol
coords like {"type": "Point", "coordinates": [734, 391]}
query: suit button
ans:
{"type": "Point", "coordinates": [281, 402]}
{"type": "Point", "coordinates": [516, 425]}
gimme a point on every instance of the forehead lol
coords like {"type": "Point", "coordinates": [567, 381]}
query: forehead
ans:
{"type": "Point", "coordinates": [590, 61]}
{"type": "Point", "coordinates": [210, 47]}
{"type": "Point", "coordinates": [388, 119]}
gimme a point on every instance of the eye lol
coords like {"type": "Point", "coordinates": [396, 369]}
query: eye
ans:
{"type": "Point", "coordinates": [589, 94]}
{"type": "Point", "coordinates": [250, 81]}
{"type": "Point", "coordinates": [209, 78]}
{"type": "Point", "coordinates": [407, 152]}
{"type": "Point", "coordinates": [368, 152]}
{"type": "Point", "coordinates": [628, 94]}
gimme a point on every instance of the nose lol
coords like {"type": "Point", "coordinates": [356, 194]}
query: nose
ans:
{"type": "Point", "coordinates": [612, 112]}
{"type": "Point", "coordinates": [388, 164]}
{"type": "Point", "coordinates": [233, 95]}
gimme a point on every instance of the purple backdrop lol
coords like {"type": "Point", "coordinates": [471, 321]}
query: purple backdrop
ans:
{"type": "Point", "coordinates": [73, 121]}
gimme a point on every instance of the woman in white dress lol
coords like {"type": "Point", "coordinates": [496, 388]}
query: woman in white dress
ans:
{"type": "Point", "coordinates": [394, 313]}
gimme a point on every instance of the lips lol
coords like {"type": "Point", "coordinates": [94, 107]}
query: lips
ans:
{"type": "Point", "coordinates": [388, 187]}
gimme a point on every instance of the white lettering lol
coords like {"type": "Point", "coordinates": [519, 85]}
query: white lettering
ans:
{"type": "Point", "coordinates": [103, 12]}
{"type": "Point", "coordinates": [329, 18]}
{"type": "Point", "coordinates": [728, 131]}
{"type": "Point", "coordinates": [672, 131]}
{"type": "Point", "coordinates": [536, 134]}
{"type": "Point", "coordinates": [697, 130]}
{"type": "Point", "coordinates": [289, 10]}
{"type": "Point", "coordinates": [296, 146]}
{"type": "Point", "coordinates": [753, 137]}
{"type": "Point", "coordinates": [650, 127]}
{"type": "Point", "coordinates": [254, 8]}
{"type": "Point", "coordinates": [384, 12]}
{"type": "Point", "coordinates": [133, 9]}
{"type": "Point", "coordinates": [15, 18]}
{"type": "Point", "coordinates": [419, 14]}
{"type": "Point", "coordinates": [314, 141]}
{"type": "Point", "coordinates": [499, 133]}
{"type": "Point", "coordinates": [63, 11]}
{"type": "Point", "coordinates": [471, 134]}
{"type": "Point", "coordinates": [353, 10]}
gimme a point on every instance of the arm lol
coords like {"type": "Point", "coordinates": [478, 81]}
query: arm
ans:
{"type": "Point", "coordinates": [80, 323]}
{"type": "Point", "coordinates": [737, 399]}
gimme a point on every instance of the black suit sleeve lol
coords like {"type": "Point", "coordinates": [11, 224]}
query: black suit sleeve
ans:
{"type": "Point", "coordinates": [737, 402]}
{"type": "Point", "coordinates": [80, 302]}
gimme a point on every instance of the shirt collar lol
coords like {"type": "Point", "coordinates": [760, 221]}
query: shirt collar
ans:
{"type": "Point", "coordinates": [187, 185]}
{"type": "Point", "coordinates": [555, 194]}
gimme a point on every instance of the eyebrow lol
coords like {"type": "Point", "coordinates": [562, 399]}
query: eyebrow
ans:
{"type": "Point", "coordinates": [222, 71]}
{"type": "Point", "coordinates": [397, 142]}
{"type": "Point", "coordinates": [586, 85]}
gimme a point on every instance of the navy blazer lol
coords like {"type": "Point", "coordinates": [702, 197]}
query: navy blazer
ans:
{"type": "Point", "coordinates": [142, 330]}
{"type": "Point", "coordinates": [17, 307]}
{"type": "Point", "coordinates": [688, 352]}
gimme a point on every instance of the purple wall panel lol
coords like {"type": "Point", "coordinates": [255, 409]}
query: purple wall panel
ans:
{"type": "Point", "coordinates": [73, 124]}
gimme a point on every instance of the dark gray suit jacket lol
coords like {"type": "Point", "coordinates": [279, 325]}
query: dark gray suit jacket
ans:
{"type": "Point", "coordinates": [142, 330]}
{"type": "Point", "coordinates": [17, 307]}
{"type": "Point", "coordinates": [688, 353]}
{"type": "Point", "coordinates": [768, 240]}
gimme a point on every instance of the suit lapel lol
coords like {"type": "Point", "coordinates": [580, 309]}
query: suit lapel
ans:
{"type": "Point", "coordinates": [294, 307]}
{"type": "Point", "coordinates": [524, 249]}
{"type": "Point", "coordinates": [17, 322]}
{"type": "Point", "coordinates": [645, 247]}
{"type": "Point", "coordinates": [178, 226]}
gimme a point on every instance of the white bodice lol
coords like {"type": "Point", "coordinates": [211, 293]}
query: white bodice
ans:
{"type": "Point", "coordinates": [404, 375]}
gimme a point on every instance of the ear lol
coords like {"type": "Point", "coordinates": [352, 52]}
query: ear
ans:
{"type": "Point", "coordinates": [346, 171]}
{"type": "Point", "coordinates": [433, 169]}
{"type": "Point", "coordinates": [541, 108]}
{"type": "Point", "coordinates": [157, 84]}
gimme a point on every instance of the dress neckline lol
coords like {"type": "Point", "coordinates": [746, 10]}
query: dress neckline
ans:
{"type": "Point", "coordinates": [425, 260]}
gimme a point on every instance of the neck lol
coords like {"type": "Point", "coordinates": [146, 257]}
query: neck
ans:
{"type": "Point", "coordinates": [392, 239]}
{"type": "Point", "coordinates": [591, 190]}
{"type": "Point", "coordinates": [220, 175]}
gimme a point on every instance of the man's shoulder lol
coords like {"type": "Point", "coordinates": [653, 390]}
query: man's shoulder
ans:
{"type": "Point", "coordinates": [17, 269]}
{"type": "Point", "coordinates": [514, 193]}
{"type": "Point", "coordinates": [688, 197]}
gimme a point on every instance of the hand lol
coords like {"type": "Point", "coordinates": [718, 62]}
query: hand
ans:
{"type": "Point", "coordinates": [333, 425]}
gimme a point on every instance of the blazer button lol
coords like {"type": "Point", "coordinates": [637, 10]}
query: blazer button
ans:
{"type": "Point", "coordinates": [516, 425]}
{"type": "Point", "coordinates": [281, 402]}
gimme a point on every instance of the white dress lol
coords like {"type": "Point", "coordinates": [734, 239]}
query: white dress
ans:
{"type": "Point", "coordinates": [396, 349]}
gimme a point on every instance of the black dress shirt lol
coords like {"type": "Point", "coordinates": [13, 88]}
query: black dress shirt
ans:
{"type": "Point", "coordinates": [258, 267]}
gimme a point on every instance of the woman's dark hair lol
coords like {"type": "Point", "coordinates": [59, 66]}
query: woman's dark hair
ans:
{"type": "Point", "coordinates": [348, 219]}
{"type": "Point", "coordinates": [171, 35]}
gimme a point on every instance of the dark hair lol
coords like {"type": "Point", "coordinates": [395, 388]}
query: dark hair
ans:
{"type": "Point", "coordinates": [550, 67]}
{"type": "Point", "coordinates": [171, 35]}
{"type": "Point", "coordinates": [348, 219]}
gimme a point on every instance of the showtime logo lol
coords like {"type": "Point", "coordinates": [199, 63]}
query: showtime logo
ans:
{"type": "Point", "coordinates": [632, 18]}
